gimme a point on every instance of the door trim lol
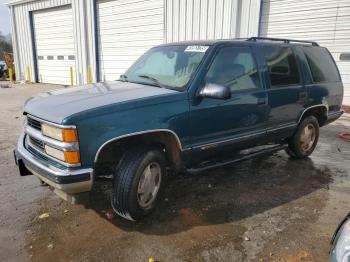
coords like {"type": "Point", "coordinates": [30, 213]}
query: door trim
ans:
{"type": "Point", "coordinates": [215, 144]}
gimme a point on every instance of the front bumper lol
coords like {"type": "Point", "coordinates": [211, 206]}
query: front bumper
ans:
{"type": "Point", "coordinates": [64, 182]}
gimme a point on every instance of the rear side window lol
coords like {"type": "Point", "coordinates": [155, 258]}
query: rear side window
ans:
{"type": "Point", "coordinates": [282, 66]}
{"type": "Point", "coordinates": [321, 64]}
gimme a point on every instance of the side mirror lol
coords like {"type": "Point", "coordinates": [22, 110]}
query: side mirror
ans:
{"type": "Point", "coordinates": [215, 91]}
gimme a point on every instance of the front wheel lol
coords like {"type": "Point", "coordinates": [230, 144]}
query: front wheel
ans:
{"type": "Point", "coordinates": [305, 139]}
{"type": "Point", "coordinates": [137, 182]}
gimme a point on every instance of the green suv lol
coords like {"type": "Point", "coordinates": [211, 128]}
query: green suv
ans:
{"type": "Point", "coordinates": [181, 107]}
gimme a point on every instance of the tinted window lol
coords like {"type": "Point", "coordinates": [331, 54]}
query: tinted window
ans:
{"type": "Point", "coordinates": [282, 66]}
{"type": "Point", "coordinates": [321, 64]}
{"type": "Point", "coordinates": [235, 68]}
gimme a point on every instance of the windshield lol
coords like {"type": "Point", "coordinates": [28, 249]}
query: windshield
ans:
{"type": "Point", "coordinates": [166, 66]}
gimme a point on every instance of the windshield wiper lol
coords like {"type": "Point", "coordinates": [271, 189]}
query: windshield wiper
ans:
{"type": "Point", "coordinates": [154, 80]}
{"type": "Point", "coordinates": [123, 78]}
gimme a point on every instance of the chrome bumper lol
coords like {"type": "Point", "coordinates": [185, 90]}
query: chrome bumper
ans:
{"type": "Point", "coordinates": [63, 181]}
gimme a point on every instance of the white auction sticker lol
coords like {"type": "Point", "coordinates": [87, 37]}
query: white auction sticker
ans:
{"type": "Point", "coordinates": [196, 48]}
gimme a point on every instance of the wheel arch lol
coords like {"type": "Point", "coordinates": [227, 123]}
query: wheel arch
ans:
{"type": "Point", "coordinates": [114, 148]}
{"type": "Point", "coordinates": [318, 111]}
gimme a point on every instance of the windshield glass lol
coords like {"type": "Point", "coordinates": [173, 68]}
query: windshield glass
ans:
{"type": "Point", "coordinates": [166, 66]}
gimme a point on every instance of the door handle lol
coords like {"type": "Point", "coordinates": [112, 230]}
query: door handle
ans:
{"type": "Point", "coordinates": [261, 101]}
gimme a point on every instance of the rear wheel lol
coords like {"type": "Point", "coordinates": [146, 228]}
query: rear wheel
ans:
{"type": "Point", "coordinates": [305, 139]}
{"type": "Point", "coordinates": [137, 182]}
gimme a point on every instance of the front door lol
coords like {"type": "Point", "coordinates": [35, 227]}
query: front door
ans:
{"type": "Point", "coordinates": [236, 122]}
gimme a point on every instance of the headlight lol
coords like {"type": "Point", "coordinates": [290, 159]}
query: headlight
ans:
{"type": "Point", "coordinates": [340, 251]}
{"type": "Point", "coordinates": [70, 157]}
{"type": "Point", "coordinates": [65, 135]}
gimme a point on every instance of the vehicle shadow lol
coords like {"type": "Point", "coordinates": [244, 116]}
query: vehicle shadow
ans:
{"type": "Point", "coordinates": [223, 195]}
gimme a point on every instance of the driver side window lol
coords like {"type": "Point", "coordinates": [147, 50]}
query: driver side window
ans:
{"type": "Point", "coordinates": [235, 68]}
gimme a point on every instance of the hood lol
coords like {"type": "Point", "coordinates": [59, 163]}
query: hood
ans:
{"type": "Point", "coordinates": [54, 106]}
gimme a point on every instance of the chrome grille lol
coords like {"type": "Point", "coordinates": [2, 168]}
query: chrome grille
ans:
{"type": "Point", "coordinates": [36, 143]}
{"type": "Point", "coordinates": [33, 123]}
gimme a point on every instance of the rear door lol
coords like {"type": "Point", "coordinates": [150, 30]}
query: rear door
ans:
{"type": "Point", "coordinates": [287, 96]}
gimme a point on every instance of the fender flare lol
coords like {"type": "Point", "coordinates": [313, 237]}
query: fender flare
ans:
{"type": "Point", "coordinates": [136, 134]}
{"type": "Point", "coordinates": [310, 107]}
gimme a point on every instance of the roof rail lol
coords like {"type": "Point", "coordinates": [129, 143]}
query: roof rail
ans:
{"type": "Point", "coordinates": [287, 41]}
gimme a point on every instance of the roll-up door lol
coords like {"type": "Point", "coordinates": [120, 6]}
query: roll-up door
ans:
{"type": "Point", "coordinates": [127, 28]}
{"type": "Point", "coordinates": [54, 42]}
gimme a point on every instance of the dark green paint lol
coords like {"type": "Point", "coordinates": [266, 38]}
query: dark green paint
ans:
{"type": "Point", "coordinates": [199, 121]}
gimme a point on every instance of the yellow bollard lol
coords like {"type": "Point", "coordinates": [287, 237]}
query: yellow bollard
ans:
{"type": "Point", "coordinates": [151, 259]}
{"type": "Point", "coordinates": [11, 74]}
{"type": "Point", "coordinates": [28, 74]}
{"type": "Point", "coordinates": [71, 75]}
{"type": "Point", "coordinates": [89, 75]}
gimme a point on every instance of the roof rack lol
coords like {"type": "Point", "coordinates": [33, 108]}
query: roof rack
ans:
{"type": "Point", "coordinates": [287, 41]}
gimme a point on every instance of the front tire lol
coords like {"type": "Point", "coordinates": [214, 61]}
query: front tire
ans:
{"type": "Point", "coordinates": [137, 183]}
{"type": "Point", "coordinates": [305, 139]}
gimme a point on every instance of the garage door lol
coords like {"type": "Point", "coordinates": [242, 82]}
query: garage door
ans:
{"type": "Point", "coordinates": [127, 28]}
{"type": "Point", "coordinates": [324, 21]}
{"type": "Point", "coordinates": [53, 29]}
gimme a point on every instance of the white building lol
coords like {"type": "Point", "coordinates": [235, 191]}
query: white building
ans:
{"type": "Point", "coordinates": [54, 37]}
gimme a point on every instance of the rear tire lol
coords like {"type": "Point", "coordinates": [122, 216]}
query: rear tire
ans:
{"type": "Point", "coordinates": [305, 139]}
{"type": "Point", "coordinates": [137, 182]}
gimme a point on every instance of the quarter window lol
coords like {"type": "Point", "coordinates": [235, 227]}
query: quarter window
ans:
{"type": "Point", "coordinates": [282, 66]}
{"type": "Point", "coordinates": [235, 68]}
{"type": "Point", "coordinates": [321, 64]}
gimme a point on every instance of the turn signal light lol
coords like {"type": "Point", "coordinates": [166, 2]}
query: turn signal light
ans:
{"type": "Point", "coordinates": [72, 157]}
{"type": "Point", "coordinates": [69, 135]}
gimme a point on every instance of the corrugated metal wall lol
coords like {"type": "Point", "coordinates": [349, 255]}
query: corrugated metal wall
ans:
{"type": "Point", "coordinates": [83, 33]}
{"type": "Point", "coordinates": [183, 20]}
{"type": "Point", "coordinates": [324, 21]}
{"type": "Point", "coordinates": [210, 19]}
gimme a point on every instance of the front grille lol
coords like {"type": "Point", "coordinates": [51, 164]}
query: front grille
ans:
{"type": "Point", "coordinates": [33, 123]}
{"type": "Point", "coordinates": [36, 143]}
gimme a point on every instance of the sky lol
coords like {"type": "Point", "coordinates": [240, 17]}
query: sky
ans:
{"type": "Point", "coordinates": [4, 18]}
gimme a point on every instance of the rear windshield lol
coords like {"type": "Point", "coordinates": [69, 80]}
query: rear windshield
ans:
{"type": "Point", "coordinates": [322, 66]}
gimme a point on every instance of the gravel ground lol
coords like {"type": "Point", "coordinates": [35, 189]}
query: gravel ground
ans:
{"type": "Point", "coordinates": [267, 209]}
